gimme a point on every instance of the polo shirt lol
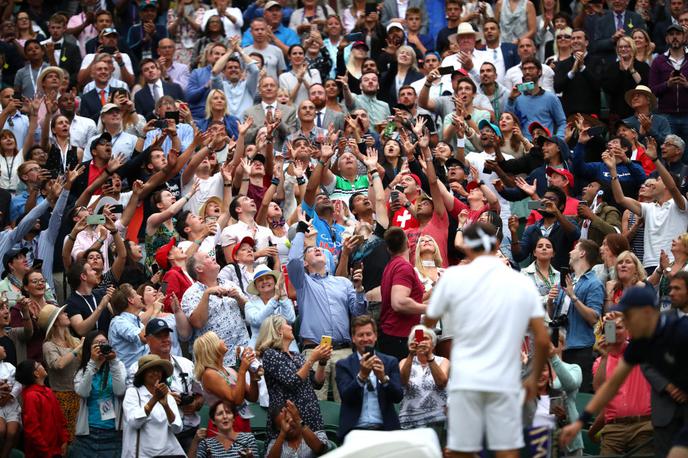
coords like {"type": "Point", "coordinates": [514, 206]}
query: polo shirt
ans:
{"type": "Point", "coordinates": [663, 223]}
{"type": "Point", "coordinates": [399, 271]}
{"type": "Point", "coordinates": [342, 189]}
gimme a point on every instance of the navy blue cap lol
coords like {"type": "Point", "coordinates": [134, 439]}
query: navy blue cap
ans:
{"type": "Point", "coordinates": [156, 325]}
{"type": "Point", "coordinates": [635, 297]}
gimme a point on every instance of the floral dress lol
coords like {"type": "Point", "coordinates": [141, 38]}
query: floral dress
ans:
{"type": "Point", "coordinates": [423, 403]}
{"type": "Point", "coordinates": [161, 237]}
{"type": "Point", "coordinates": [186, 36]}
{"type": "Point", "coordinates": [283, 384]}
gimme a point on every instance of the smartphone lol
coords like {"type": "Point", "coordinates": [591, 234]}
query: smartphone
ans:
{"type": "Point", "coordinates": [535, 205]}
{"type": "Point", "coordinates": [400, 189]}
{"type": "Point", "coordinates": [172, 115]}
{"type": "Point", "coordinates": [119, 208]}
{"type": "Point", "coordinates": [326, 340]}
{"type": "Point", "coordinates": [368, 351]}
{"type": "Point", "coordinates": [394, 195]}
{"type": "Point", "coordinates": [160, 123]}
{"type": "Point", "coordinates": [353, 37]}
{"type": "Point", "coordinates": [163, 287]}
{"type": "Point", "coordinates": [92, 220]}
{"type": "Point", "coordinates": [446, 70]}
{"type": "Point", "coordinates": [419, 335]}
{"type": "Point", "coordinates": [370, 8]}
{"type": "Point", "coordinates": [525, 87]}
{"type": "Point", "coordinates": [610, 331]}
{"type": "Point", "coordinates": [108, 49]}
{"type": "Point", "coordinates": [358, 265]}
{"type": "Point", "coordinates": [596, 131]}
{"type": "Point", "coordinates": [676, 73]}
{"type": "Point", "coordinates": [555, 401]}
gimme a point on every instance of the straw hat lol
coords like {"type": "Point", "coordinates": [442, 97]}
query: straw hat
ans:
{"type": "Point", "coordinates": [261, 271]}
{"type": "Point", "coordinates": [643, 90]}
{"type": "Point", "coordinates": [47, 317]}
{"type": "Point", "coordinates": [150, 362]}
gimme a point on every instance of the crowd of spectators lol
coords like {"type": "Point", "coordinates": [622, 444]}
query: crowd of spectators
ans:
{"type": "Point", "coordinates": [218, 207]}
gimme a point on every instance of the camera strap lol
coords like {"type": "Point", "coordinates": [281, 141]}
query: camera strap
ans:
{"type": "Point", "coordinates": [183, 375]}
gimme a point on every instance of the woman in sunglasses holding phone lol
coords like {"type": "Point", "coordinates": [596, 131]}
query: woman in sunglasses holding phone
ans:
{"type": "Point", "coordinates": [100, 382]}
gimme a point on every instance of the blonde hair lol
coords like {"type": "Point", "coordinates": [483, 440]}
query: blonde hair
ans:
{"type": "Point", "coordinates": [640, 270]}
{"type": "Point", "coordinates": [270, 334]}
{"type": "Point", "coordinates": [683, 238]}
{"type": "Point", "coordinates": [61, 332]}
{"type": "Point", "coordinates": [436, 257]}
{"type": "Point", "coordinates": [206, 352]}
{"type": "Point", "coordinates": [564, 31]}
{"type": "Point", "coordinates": [209, 102]}
{"type": "Point", "coordinates": [649, 49]}
{"type": "Point", "coordinates": [629, 41]}
{"type": "Point", "coordinates": [414, 58]}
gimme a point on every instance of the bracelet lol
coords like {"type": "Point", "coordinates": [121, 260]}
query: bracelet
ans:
{"type": "Point", "coordinates": [427, 85]}
{"type": "Point", "coordinates": [187, 197]}
{"type": "Point", "coordinates": [75, 353]}
{"type": "Point", "coordinates": [245, 179]}
{"type": "Point", "coordinates": [198, 242]}
{"type": "Point", "coordinates": [99, 240]}
{"type": "Point", "coordinates": [431, 360]}
{"type": "Point", "coordinates": [113, 232]}
{"type": "Point", "coordinates": [615, 177]}
{"type": "Point", "coordinates": [227, 185]}
{"type": "Point", "coordinates": [69, 236]}
{"type": "Point", "coordinates": [375, 174]}
{"type": "Point", "coordinates": [461, 142]}
{"type": "Point", "coordinates": [175, 134]}
{"type": "Point", "coordinates": [300, 180]}
{"type": "Point", "coordinates": [275, 181]}
{"type": "Point", "coordinates": [655, 159]}
{"type": "Point", "coordinates": [321, 364]}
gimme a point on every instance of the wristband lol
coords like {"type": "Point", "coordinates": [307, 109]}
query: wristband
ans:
{"type": "Point", "coordinates": [461, 142]}
{"type": "Point", "coordinates": [227, 185]}
{"type": "Point", "coordinates": [585, 417]}
{"type": "Point", "coordinates": [113, 232]}
{"type": "Point", "coordinates": [431, 360]}
{"type": "Point", "coordinates": [187, 197]}
{"type": "Point", "coordinates": [375, 174]}
{"type": "Point", "coordinates": [121, 64]}
{"type": "Point", "coordinates": [275, 181]}
{"type": "Point", "coordinates": [321, 364]}
{"type": "Point", "coordinates": [427, 85]}
{"type": "Point", "coordinates": [302, 226]}
{"type": "Point", "coordinates": [655, 159]}
{"type": "Point", "coordinates": [615, 177]}
{"type": "Point", "coordinates": [198, 242]}
{"type": "Point", "coordinates": [300, 180]}
{"type": "Point", "coordinates": [69, 236]}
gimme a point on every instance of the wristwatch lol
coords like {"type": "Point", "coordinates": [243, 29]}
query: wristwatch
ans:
{"type": "Point", "coordinates": [385, 380]}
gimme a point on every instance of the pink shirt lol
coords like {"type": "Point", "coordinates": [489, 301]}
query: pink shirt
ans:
{"type": "Point", "coordinates": [88, 32]}
{"type": "Point", "coordinates": [633, 398]}
{"type": "Point", "coordinates": [437, 228]}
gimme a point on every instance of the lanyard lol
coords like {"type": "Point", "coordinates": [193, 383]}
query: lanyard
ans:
{"type": "Point", "coordinates": [33, 80]}
{"type": "Point", "coordinates": [88, 304]}
{"type": "Point", "coordinates": [10, 167]}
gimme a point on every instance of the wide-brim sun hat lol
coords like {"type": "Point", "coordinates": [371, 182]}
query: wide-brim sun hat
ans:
{"type": "Point", "coordinates": [150, 362]}
{"type": "Point", "coordinates": [47, 317]}
{"type": "Point", "coordinates": [643, 90]}
{"type": "Point", "coordinates": [261, 271]}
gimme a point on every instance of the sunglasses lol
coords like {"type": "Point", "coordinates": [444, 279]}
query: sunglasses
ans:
{"type": "Point", "coordinates": [568, 37]}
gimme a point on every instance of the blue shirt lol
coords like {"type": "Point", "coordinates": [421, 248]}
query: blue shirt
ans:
{"type": "Point", "coordinates": [327, 303]}
{"type": "Point", "coordinates": [124, 338]}
{"type": "Point", "coordinates": [19, 125]}
{"type": "Point", "coordinates": [285, 35]}
{"type": "Point", "coordinates": [257, 311]}
{"type": "Point", "coordinates": [371, 415]}
{"type": "Point", "coordinates": [241, 95]}
{"type": "Point", "coordinates": [184, 131]}
{"type": "Point", "coordinates": [19, 203]}
{"type": "Point", "coordinates": [590, 291]}
{"type": "Point", "coordinates": [98, 394]}
{"type": "Point", "coordinates": [437, 20]}
{"type": "Point", "coordinates": [544, 108]}
{"type": "Point", "coordinates": [197, 91]}
{"type": "Point", "coordinates": [329, 237]}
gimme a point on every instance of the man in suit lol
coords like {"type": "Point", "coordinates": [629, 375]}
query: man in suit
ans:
{"type": "Point", "coordinates": [323, 116]}
{"type": "Point", "coordinates": [368, 382]}
{"type": "Point", "coordinates": [154, 89]}
{"type": "Point", "coordinates": [575, 78]}
{"type": "Point", "coordinates": [267, 89]}
{"type": "Point", "coordinates": [502, 55]}
{"type": "Point", "coordinates": [676, 7]}
{"type": "Point", "coordinates": [93, 100]}
{"type": "Point", "coordinates": [390, 12]}
{"type": "Point", "coordinates": [669, 403]}
{"type": "Point", "coordinates": [611, 26]}
{"type": "Point", "coordinates": [60, 52]}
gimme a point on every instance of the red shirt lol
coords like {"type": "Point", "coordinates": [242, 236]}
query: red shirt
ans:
{"type": "Point", "coordinates": [45, 427]}
{"type": "Point", "coordinates": [633, 398]}
{"type": "Point", "coordinates": [473, 215]}
{"type": "Point", "coordinates": [438, 229]}
{"type": "Point", "coordinates": [640, 156]}
{"type": "Point", "coordinates": [571, 209]}
{"type": "Point", "coordinates": [93, 173]}
{"type": "Point", "coordinates": [177, 283]}
{"type": "Point", "coordinates": [403, 218]}
{"type": "Point", "coordinates": [399, 272]}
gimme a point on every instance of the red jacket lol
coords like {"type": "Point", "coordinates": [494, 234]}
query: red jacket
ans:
{"type": "Point", "coordinates": [45, 427]}
{"type": "Point", "coordinates": [177, 283]}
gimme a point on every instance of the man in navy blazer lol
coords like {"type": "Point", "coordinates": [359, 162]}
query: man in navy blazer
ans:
{"type": "Point", "coordinates": [368, 383]}
{"type": "Point", "coordinates": [509, 51]}
{"type": "Point", "coordinates": [615, 23]}
{"type": "Point", "coordinates": [145, 99]}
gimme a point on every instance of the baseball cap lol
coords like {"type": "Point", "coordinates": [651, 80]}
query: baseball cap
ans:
{"type": "Point", "coordinates": [675, 27]}
{"type": "Point", "coordinates": [563, 172]}
{"type": "Point", "coordinates": [109, 31]}
{"type": "Point", "coordinates": [536, 125]}
{"type": "Point", "coordinates": [104, 137]}
{"type": "Point", "coordinates": [395, 24]}
{"type": "Point", "coordinates": [9, 257]}
{"type": "Point", "coordinates": [148, 4]}
{"type": "Point", "coordinates": [109, 107]}
{"type": "Point", "coordinates": [360, 44]}
{"type": "Point", "coordinates": [486, 123]}
{"type": "Point", "coordinates": [157, 325]}
{"type": "Point", "coordinates": [248, 240]}
{"type": "Point", "coordinates": [637, 297]}
{"type": "Point", "coordinates": [272, 3]}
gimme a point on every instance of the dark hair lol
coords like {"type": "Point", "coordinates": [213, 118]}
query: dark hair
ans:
{"type": "Point", "coordinates": [565, 16]}
{"type": "Point", "coordinates": [546, 238]}
{"type": "Point", "coordinates": [58, 18]}
{"type": "Point", "coordinates": [469, 80]}
{"type": "Point", "coordinates": [86, 348]}
{"type": "Point", "coordinates": [258, 56]}
{"type": "Point", "coordinates": [475, 232]}
{"type": "Point", "coordinates": [492, 20]}
{"type": "Point", "coordinates": [681, 275]}
{"type": "Point", "coordinates": [27, 155]}
{"type": "Point", "coordinates": [617, 243]}
{"type": "Point", "coordinates": [496, 220]}
{"type": "Point", "coordinates": [74, 274]}
{"type": "Point", "coordinates": [25, 372]}
{"type": "Point", "coordinates": [351, 200]}
{"type": "Point", "coordinates": [89, 251]}
{"type": "Point", "coordinates": [395, 239]}
{"type": "Point", "coordinates": [625, 144]}
{"type": "Point", "coordinates": [25, 280]}
{"type": "Point", "coordinates": [362, 320]}
{"type": "Point", "coordinates": [561, 196]}
{"type": "Point", "coordinates": [233, 206]}
{"type": "Point", "coordinates": [180, 223]}
{"type": "Point", "coordinates": [120, 298]}
{"type": "Point", "coordinates": [226, 404]}
{"type": "Point", "coordinates": [591, 250]}
{"type": "Point", "coordinates": [30, 41]}
{"type": "Point", "coordinates": [115, 91]}
{"type": "Point", "coordinates": [298, 45]}
{"type": "Point", "coordinates": [103, 12]}
{"type": "Point", "coordinates": [581, 30]}
{"type": "Point", "coordinates": [532, 60]}
{"type": "Point", "coordinates": [148, 60]}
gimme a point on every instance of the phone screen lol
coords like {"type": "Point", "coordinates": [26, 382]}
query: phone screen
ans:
{"type": "Point", "coordinates": [419, 335]}
{"type": "Point", "coordinates": [446, 70]}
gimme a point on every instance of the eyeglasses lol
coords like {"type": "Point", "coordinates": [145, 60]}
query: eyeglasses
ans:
{"type": "Point", "coordinates": [568, 37]}
{"type": "Point", "coordinates": [40, 281]}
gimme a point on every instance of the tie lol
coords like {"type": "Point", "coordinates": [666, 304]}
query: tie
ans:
{"type": "Point", "coordinates": [319, 120]}
{"type": "Point", "coordinates": [58, 46]}
{"type": "Point", "coordinates": [268, 111]}
{"type": "Point", "coordinates": [619, 21]}
{"type": "Point", "coordinates": [103, 99]}
{"type": "Point", "coordinates": [156, 92]}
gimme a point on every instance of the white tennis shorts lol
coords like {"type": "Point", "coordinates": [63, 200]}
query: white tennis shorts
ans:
{"type": "Point", "coordinates": [475, 414]}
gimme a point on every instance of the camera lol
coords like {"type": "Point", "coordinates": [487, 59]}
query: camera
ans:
{"type": "Point", "coordinates": [105, 349]}
{"type": "Point", "coordinates": [557, 323]}
{"type": "Point", "coordinates": [185, 399]}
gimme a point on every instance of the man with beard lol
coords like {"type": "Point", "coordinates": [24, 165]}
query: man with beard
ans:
{"type": "Point", "coordinates": [367, 245]}
{"type": "Point", "coordinates": [323, 116]}
{"type": "Point", "coordinates": [516, 74]}
{"type": "Point", "coordinates": [497, 94]}
{"type": "Point", "coordinates": [378, 111]}
{"type": "Point", "coordinates": [536, 104]}
{"type": "Point", "coordinates": [81, 129]}
{"type": "Point", "coordinates": [669, 82]}
{"type": "Point", "coordinates": [561, 230]}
